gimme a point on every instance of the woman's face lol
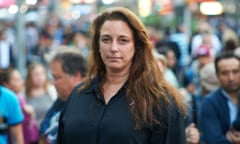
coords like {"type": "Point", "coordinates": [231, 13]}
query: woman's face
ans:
{"type": "Point", "coordinates": [38, 76]}
{"type": "Point", "coordinates": [116, 45]}
{"type": "Point", "coordinates": [16, 82]}
{"type": "Point", "coordinates": [171, 59]}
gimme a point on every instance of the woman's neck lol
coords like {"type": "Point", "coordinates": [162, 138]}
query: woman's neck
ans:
{"type": "Point", "coordinates": [116, 78]}
{"type": "Point", "coordinates": [38, 91]}
{"type": "Point", "coordinates": [112, 84]}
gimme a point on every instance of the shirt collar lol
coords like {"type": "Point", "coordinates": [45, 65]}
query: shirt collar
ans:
{"type": "Point", "coordinates": [225, 94]}
{"type": "Point", "coordinates": [95, 85]}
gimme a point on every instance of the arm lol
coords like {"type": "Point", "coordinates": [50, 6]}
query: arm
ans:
{"type": "Point", "coordinates": [16, 134]}
{"type": "Point", "coordinates": [15, 118]}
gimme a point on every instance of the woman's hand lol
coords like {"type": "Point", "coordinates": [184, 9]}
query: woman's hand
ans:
{"type": "Point", "coordinates": [29, 110]}
{"type": "Point", "coordinates": [192, 134]}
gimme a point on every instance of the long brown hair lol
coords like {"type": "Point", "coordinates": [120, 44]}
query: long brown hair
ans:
{"type": "Point", "coordinates": [146, 85]}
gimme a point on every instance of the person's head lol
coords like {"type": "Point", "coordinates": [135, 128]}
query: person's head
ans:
{"type": "Point", "coordinates": [227, 66]}
{"type": "Point", "coordinates": [119, 40]}
{"type": "Point", "coordinates": [36, 77]}
{"type": "Point", "coordinates": [13, 80]}
{"type": "Point", "coordinates": [180, 28]}
{"type": "Point", "coordinates": [45, 39]}
{"type": "Point", "coordinates": [171, 58]}
{"type": "Point", "coordinates": [229, 46]}
{"type": "Point", "coordinates": [81, 39]}
{"type": "Point", "coordinates": [68, 69]}
{"type": "Point", "coordinates": [208, 78]}
{"type": "Point", "coordinates": [205, 28]}
{"type": "Point", "coordinates": [203, 55]}
{"type": "Point", "coordinates": [188, 80]}
{"type": "Point", "coordinates": [121, 44]}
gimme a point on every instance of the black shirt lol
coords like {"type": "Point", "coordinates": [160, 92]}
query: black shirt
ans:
{"type": "Point", "coordinates": [86, 119]}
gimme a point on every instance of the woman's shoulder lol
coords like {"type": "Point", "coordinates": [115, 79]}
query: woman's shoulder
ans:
{"type": "Point", "coordinates": [81, 88]}
{"type": "Point", "coordinates": [88, 86]}
{"type": "Point", "coordinates": [51, 90]}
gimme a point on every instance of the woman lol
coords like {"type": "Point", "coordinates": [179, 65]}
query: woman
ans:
{"type": "Point", "coordinates": [40, 94]}
{"type": "Point", "coordinates": [14, 81]}
{"type": "Point", "coordinates": [125, 98]}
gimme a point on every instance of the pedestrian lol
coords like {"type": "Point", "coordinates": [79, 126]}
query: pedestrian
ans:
{"type": "Point", "coordinates": [15, 82]}
{"type": "Point", "coordinates": [219, 108]}
{"type": "Point", "coordinates": [124, 99]}
{"type": "Point", "coordinates": [68, 68]}
{"type": "Point", "coordinates": [40, 93]}
{"type": "Point", "coordinates": [192, 132]}
{"type": "Point", "coordinates": [7, 57]}
{"type": "Point", "coordinates": [11, 116]}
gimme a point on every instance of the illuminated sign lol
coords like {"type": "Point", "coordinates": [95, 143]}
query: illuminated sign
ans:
{"type": "Point", "coordinates": [211, 8]}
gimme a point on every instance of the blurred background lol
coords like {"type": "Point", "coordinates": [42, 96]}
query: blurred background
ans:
{"type": "Point", "coordinates": [26, 20]}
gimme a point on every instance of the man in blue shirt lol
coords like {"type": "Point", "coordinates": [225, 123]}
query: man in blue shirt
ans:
{"type": "Point", "coordinates": [11, 115]}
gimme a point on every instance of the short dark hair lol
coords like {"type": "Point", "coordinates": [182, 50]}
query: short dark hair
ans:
{"type": "Point", "coordinates": [4, 75]}
{"type": "Point", "coordinates": [224, 55]}
{"type": "Point", "coordinates": [72, 61]}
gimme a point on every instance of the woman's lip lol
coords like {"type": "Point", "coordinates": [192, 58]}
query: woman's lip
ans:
{"type": "Point", "coordinates": [114, 57]}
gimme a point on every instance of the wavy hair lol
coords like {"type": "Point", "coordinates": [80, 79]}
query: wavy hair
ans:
{"type": "Point", "coordinates": [146, 85]}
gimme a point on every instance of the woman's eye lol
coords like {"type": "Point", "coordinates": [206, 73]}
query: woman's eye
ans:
{"type": "Point", "coordinates": [123, 41]}
{"type": "Point", "coordinates": [106, 40]}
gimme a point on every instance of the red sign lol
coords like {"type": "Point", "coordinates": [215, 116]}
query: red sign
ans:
{"type": "Point", "coordinates": [6, 3]}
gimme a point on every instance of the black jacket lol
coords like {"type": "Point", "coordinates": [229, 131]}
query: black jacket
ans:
{"type": "Point", "coordinates": [86, 119]}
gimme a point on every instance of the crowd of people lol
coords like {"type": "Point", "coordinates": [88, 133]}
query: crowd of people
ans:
{"type": "Point", "coordinates": [121, 82]}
